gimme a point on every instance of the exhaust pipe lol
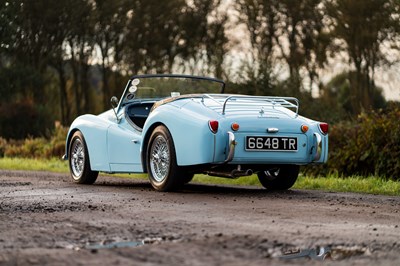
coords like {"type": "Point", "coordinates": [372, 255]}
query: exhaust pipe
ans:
{"type": "Point", "coordinates": [236, 173]}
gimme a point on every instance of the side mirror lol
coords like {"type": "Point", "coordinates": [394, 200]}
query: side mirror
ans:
{"type": "Point", "coordinates": [114, 104]}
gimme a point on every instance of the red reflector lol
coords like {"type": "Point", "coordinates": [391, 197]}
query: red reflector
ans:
{"type": "Point", "coordinates": [213, 124]}
{"type": "Point", "coordinates": [324, 127]}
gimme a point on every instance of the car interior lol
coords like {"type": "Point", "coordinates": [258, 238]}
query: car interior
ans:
{"type": "Point", "coordinates": [138, 112]}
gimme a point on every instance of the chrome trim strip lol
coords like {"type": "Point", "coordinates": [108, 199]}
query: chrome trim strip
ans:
{"type": "Point", "coordinates": [318, 144]}
{"type": "Point", "coordinates": [272, 130]}
{"type": "Point", "coordinates": [231, 143]}
{"type": "Point", "coordinates": [215, 147]}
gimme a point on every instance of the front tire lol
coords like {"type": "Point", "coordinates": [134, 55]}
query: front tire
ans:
{"type": "Point", "coordinates": [280, 177]}
{"type": "Point", "coordinates": [161, 161]}
{"type": "Point", "coordinates": [79, 164]}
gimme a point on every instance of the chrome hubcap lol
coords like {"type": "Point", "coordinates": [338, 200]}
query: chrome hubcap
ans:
{"type": "Point", "coordinates": [77, 158]}
{"type": "Point", "coordinates": [159, 159]}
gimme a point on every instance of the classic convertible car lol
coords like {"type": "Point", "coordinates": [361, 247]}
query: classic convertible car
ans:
{"type": "Point", "coordinates": [175, 126]}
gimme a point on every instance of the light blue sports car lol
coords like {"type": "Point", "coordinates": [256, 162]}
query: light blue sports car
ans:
{"type": "Point", "coordinates": [175, 126]}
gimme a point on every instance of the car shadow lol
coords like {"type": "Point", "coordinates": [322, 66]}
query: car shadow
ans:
{"type": "Point", "coordinates": [199, 188]}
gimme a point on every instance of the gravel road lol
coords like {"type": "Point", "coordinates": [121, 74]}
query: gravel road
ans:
{"type": "Point", "coordinates": [45, 219]}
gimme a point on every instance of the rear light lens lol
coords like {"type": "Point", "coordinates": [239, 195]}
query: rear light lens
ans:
{"type": "Point", "coordinates": [213, 124]}
{"type": "Point", "coordinates": [324, 127]}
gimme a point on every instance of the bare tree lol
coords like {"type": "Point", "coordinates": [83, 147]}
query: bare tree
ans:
{"type": "Point", "coordinates": [365, 26]}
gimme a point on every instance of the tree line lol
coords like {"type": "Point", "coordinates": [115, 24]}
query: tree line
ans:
{"type": "Point", "coordinates": [60, 59]}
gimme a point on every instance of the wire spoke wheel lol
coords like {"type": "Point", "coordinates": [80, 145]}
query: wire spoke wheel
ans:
{"type": "Point", "coordinates": [77, 158]}
{"type": "Point", "coordinates": [164, 173]}
{"type": "Point", "coordinates": [160, 158]}
{"type": "Point", "coordinates": [79, 163]}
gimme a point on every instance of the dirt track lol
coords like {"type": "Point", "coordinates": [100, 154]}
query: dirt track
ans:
{"type": "Point", "coordinates": [46, 219]}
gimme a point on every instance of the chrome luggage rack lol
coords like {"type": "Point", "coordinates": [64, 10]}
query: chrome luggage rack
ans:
{"type": "Point", "coordinates": [245, 100]}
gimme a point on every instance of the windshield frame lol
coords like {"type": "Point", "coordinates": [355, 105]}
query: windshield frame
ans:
{"type": "Point", "coordinates": [121, 101]}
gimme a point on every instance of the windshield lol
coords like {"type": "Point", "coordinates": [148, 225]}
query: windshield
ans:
{"type": "Point", "coordinates": [163, 86]}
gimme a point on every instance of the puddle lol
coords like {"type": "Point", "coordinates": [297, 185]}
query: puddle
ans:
{"type": "Point", "coordinates": [343, 252]}
{"type": "Point", "coordinates": [116, 245]}
{"type": "Point", "coordinates": [326, 253]}
{"type": "Point", "coordinates": [125, 244]}
{"type": "Point", "coordinates": [15, 184]}
{"type": "Point", "coordinates": [322, 253]}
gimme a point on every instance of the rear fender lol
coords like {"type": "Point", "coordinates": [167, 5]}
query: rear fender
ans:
{"type": "Point", "coordinates": [194, 143]}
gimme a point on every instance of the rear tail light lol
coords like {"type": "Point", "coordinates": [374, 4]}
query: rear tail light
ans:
{"type": "Point", "coordinates": [324, 127]}
{"type": "Point", "coordinates": [213, 124]}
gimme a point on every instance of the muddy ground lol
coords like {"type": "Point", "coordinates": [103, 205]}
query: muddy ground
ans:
{"type": "Point", "coordinates": [45, 219]}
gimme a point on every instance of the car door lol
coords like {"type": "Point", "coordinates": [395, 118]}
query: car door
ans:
{"type": "Point", "coordinates": [123, 143]}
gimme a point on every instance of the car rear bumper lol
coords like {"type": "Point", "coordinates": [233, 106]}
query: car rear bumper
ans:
{"type": "Point", "coordinates": [311, 149]}
{"type": "Point", "coordinates": [231, 147]}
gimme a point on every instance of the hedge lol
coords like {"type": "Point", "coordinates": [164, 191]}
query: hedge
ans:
{"type": "Point", "coordinates": [369, 145]}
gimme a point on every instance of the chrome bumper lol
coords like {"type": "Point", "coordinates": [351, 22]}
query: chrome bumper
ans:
{"type": "Point", "coordinates": [318, 145]}
{"type": "Point", "coordinates": [231, 144]}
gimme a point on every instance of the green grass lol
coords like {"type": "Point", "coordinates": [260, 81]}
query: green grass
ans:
{"type": "Point", "coordinates": [370, 185]}
{"type": "Point", "coordinates": [52, 165]}
{"type": "Point", "coordinates": [334, 183]}
{"type": "Point", "coordinates": [359, 184]}
{"type": "Point", "coordinates": [243, 181]}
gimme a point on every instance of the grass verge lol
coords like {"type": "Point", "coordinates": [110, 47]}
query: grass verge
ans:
{"type": "Point", "coordinates": [334, 183]}
{"type": "Point", "coordinates": [52, 165]}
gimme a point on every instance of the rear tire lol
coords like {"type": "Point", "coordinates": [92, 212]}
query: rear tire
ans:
{"type": "Point", "coordinates": [280, 177]}
{"type": "Point", "coordinates": [79, 163]}
{"type": "Point", "coordinates": [187, 178]}
{"type": "Point", "coordinates": [161, 161]}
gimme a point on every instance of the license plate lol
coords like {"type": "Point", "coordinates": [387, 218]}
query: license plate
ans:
{"type": "Point", "coordinates": [258, 143]}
